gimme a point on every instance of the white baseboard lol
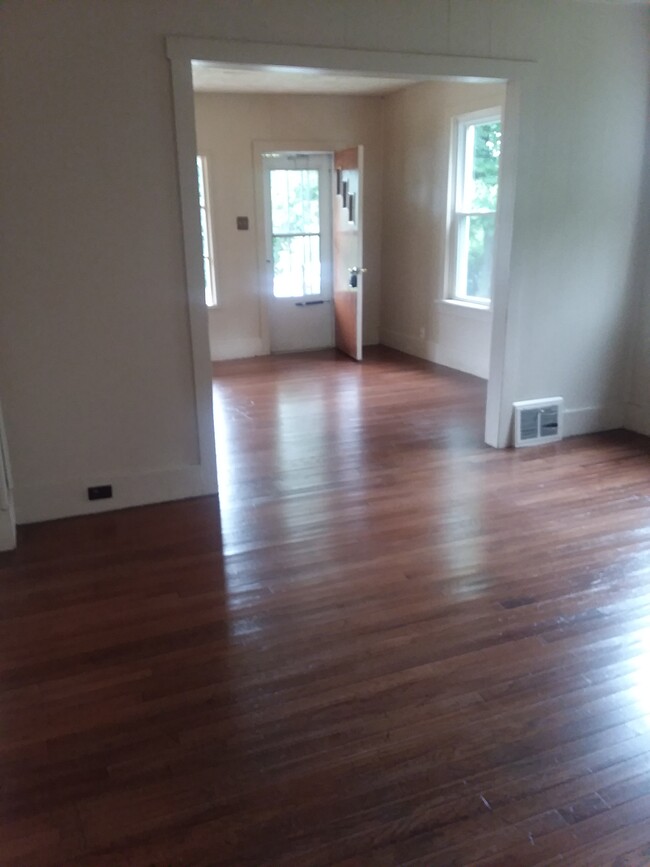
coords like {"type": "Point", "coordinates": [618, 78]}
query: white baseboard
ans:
{"type": "Point", "coordinates": [592, 420]}
{"type": "Point", "coordinates": [7, 529]}
{"type": "Point", "coordinates": [67, 498]}
{"type": "Point", "coordinates": [404, 343]}
{"type": "Point", "coordinates": [576, 421]}
{"type": "Point", "coordinates": [448, 357]}
{"type": "Point", "coordinates": [431, 351]}
{"type": "Point", "coordinates": [637, 418]}
{"type": "Point", "coordinates": [236, 347]}
{"type": "Point", "coordinates": [371, 339]}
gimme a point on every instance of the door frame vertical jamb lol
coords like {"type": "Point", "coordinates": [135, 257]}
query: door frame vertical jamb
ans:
{"type": "Point", "coordinates": [186, 152]}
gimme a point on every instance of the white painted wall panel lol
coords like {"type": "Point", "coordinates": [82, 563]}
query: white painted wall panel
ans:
{"type": "Point", "coordinates": [417, 136]}
{"type": "Point", "coordinates": [470, 30]}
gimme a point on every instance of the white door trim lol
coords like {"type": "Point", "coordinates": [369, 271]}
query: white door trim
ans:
{"type": "Point", "coordinates": [519, 76]}
{"type": "Point", "coordinates": [186, 151]}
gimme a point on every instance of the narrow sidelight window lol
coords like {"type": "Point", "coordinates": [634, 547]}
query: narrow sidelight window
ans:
{"type": "Point", "coordinates": [474, 189]}
{"type": "Point", "coordinates": [206, 233]}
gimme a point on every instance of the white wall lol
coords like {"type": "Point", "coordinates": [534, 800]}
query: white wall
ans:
{"type": "Point", "coordinates": [581, 170]}
{"type": "Point", "coordinates": [417, 133]}
{"type": "Point", "coordinates": [580, 179]}
{"type": "Point", "coordinates": [227, 126]}
{"type": "Point", "coordinates": [637, 410]}
{"type": "Point", "coordinates": [95, 356]}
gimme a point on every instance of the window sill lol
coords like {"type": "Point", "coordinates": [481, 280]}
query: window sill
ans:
{"type": "Point", "coordinates": [466, 308]}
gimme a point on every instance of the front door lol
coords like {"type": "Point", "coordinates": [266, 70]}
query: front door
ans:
{"type": "Point", "coordinates": [348, 251]}
{"type": "Point", "coordinates": [299, 250]}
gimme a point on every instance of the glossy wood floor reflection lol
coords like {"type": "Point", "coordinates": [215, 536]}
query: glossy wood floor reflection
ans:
{"type": "Point", "coordinates": [405, 649]}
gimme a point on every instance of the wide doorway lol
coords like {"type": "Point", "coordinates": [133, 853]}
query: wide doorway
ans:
{"type": "Point", "coordinates": [298, 244]}
{"type": "Point", "coordinates": [408, 289]}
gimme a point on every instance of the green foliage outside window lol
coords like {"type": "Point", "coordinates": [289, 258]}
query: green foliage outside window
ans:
{"type": "Point", "coordinates": [295, 222]}
{"type": "Point", "coordinates": [483, 196]}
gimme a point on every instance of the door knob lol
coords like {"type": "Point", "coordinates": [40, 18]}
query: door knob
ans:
{"type": "Point", "coordinates": [357, 270]}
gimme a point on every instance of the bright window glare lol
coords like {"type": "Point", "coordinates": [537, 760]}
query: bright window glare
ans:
{"type": "Point", "coordinates": [206, 233]}
{"type": "Point", "coordinates": [295, 226]}
{"type": "Point", "coordinates": [476, 171]}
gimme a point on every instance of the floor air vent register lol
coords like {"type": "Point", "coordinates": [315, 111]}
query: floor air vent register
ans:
{"type": "Point", "coordinates": [538, 421]}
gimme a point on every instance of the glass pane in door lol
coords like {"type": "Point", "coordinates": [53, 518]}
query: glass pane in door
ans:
{"type": "Point", "coordinates": [294, 201]}
{"type": "Point", "coordinates": [295, 227]}
{"type": "Point", "coordinates": [296, 265]}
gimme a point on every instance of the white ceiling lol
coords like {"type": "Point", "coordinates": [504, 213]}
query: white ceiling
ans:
{"type": "Point", "coordinates": [216, 79]}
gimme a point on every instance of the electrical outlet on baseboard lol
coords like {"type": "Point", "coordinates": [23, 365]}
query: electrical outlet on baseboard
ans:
{"type": "Point", "coordinates": [100, 492]}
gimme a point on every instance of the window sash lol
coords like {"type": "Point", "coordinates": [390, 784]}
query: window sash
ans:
{"type": "Point", "coordinates": [462, 228]}
{"type": "Point", "coordinates": [295, 216]}
{"type": "Point", "coordinates": [461, 210]}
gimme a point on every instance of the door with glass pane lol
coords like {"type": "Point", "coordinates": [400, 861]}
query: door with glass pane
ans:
{"type": "Point", "coordinates": [298, 198]}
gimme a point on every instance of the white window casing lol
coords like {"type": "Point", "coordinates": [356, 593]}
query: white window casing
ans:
{"type": "Point", "coordinates": [463, 283]}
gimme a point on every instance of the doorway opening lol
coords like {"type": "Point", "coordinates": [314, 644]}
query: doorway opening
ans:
{"type": "Point", "coordinates": [187, 55]}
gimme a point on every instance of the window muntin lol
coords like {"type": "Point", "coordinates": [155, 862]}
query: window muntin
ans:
{"type": "Point", "coordinates": [475, 188]}
{"type": "Point", "coordinates": [206, 233]}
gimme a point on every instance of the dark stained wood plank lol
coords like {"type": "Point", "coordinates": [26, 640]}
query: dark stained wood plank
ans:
{"type": "Point", "coordinates": [387, 644]}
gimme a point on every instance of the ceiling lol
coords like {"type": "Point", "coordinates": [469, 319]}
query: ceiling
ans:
{"type": "Point", "coordinates": [208, 78]}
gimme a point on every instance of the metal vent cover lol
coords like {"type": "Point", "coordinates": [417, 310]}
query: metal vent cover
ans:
{"type": "Point", "coordinates": [538, 421]}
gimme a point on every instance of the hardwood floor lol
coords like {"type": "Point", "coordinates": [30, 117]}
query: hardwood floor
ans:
{"type": "Point", "coordinates": [401, 648]}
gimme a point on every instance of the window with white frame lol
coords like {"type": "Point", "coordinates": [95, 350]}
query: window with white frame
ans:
{"type": "Point", "coordinates": [206, 233]}
{"type": "Point", "coordinates": [476, 148]}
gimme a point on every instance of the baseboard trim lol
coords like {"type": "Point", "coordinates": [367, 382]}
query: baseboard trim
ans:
{"type": "Point", "coordinates": [238, 347]}
{"type": "Point", "coordinates": [577, 422]}
{"type": "Point", "coordinates": [637, 419]}
{"type": "Point", "coordinates": [404, 343]}
{"type": "Point", "coordinates": [455, 360]}
{"type": "Point", "coordinates": [7, 528]}
{"type": "Point", "coordinates": [431, 351]}
{"type": "Point", "coordinates": [65, 499]}
{"type": "Point", "coordinates": [592, 419]}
